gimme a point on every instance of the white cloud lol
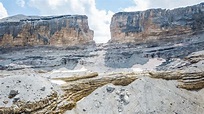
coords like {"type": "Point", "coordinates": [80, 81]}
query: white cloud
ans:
{"type": "Point", "coordinates": [140, 5]}
{"type": "Point", "coordinates": [99, 20]}
{"type": "Point", "coordinates": [166, 4]}
{"type": "Point", "coordinates": [3, 11]}
{"type": "Point", "coordinates": [20, 3]}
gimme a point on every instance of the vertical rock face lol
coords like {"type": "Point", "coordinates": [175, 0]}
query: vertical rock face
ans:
{"type": "Point", "coordinates": [157, 23]}
{"type": "Point", "coordinates": [66, 30]}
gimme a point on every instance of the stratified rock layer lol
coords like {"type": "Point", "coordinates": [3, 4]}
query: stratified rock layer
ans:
{"type": "Point", "coordinates": [30, 93]}
{"type": "Point", "coordinates": [157, 24]}
{"type": "Point", "coordinates": [66, 30]}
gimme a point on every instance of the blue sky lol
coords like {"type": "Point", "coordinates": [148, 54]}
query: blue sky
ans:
{"type": "Point", "coordinates": [14, 8]}
{"type": "Point", "coordinates": [114, 5]}
{"type": "Point", "coordinates": [99, 12]}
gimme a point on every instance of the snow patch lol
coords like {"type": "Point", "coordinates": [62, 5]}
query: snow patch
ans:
{"type": "Point", "coordinates": [150, 65]}
{"type": "Point", "coordinates": [64, 70]}
{"type": "Point", "coordinates": [58, 82]}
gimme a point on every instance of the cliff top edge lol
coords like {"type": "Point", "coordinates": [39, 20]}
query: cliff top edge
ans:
{"type": "Point", "coordinates": [201, 5]}
{"type": "Point", "coordinates": [20, 17]}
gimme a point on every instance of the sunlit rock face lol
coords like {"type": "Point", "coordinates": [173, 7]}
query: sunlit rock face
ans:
{"type": "Point", "coordinates": [66, 30]}
{"type": "Point", "coordinates": [155, 76]}
{"type": "Point", "coordinates": [157, 24]}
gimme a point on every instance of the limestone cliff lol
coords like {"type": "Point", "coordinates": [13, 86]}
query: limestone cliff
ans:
{"type": "Point", "coordinates": [157, 23]}
{"type": "Point", "coordinates": [66, 30]}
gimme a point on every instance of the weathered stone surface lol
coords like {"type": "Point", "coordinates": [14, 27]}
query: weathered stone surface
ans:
{"type": "Point", "coordinates": [189, 81]}
{"type": "Point", "coordinates": [157, 24]}
{"type": "Point", "coordinates": [34, 100]}
{"type": "Point", "coordinates": [23, 94]}
{"type": "Point", "coordinates": [44, 58]}
{"type": "Point", "coordinates": [12, 94]}
{"type": "Point", "coordinates": [191, 74]}
{"type": "Point", "coordinates": [143, 96]}
{"type": "Point", "coordinates": [65, 30]}
{"type": "Point", "coordinates": [106, 78]}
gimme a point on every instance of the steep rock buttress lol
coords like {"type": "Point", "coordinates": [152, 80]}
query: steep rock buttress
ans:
{"type": "Point", "coordinates": [157, 24]}
{"type": "Point", "coordinates": [65, 30]}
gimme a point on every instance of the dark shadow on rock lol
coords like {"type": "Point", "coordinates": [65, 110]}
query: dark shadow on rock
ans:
{"type": "Point", "coordinates": [128, 54]}
{"type": "Point", "coordinates": [45, 57]}
{"type": "Point", "coordinates": [123, 56]}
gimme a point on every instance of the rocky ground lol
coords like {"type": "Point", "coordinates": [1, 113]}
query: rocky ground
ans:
{"type": "Point", "coordinates": [153, 64]}
{"type": "Point", "coordinates": [104, 78]}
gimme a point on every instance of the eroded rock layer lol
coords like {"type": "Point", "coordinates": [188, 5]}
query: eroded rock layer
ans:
{"type": "Point", "coordinates": [155, 76]}
{"type": "Point", "coordinates": [66, 30]}
{"type": "Point", "coordinates": [40, 98]}
{"type": "Point", "coordinates": [157, 24]}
